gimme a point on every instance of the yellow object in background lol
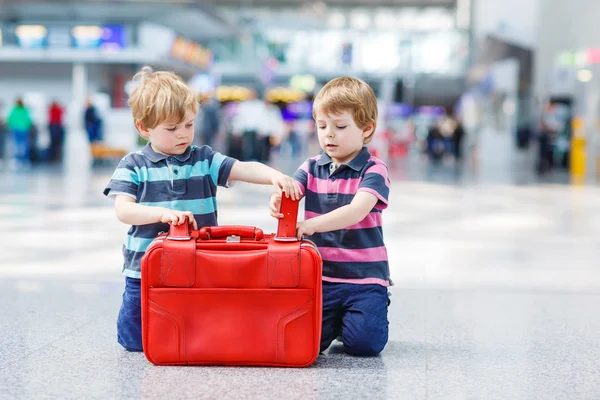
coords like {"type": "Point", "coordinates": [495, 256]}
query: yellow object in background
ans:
{"type": "Point", "coordinates": [578, 151]}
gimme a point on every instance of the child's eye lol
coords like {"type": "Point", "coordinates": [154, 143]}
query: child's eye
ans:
{"type": "Point", "coordinates": [189, 125]}
{"type": "Point", "coordinates": [171, 129]}
{"type": "Point", "coordinates": [322, 127]}
{"type": "Point", "coordinates": [341, 127]}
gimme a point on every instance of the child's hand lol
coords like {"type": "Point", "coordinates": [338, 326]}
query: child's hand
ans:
{"type": "Point", "coordinates": [275, 205]}
{"type": "Point", "coordinates": [305, 228]}
{"type": "Point", "coordinates": [287, 184]}
{"type": "Point", "coordinates": [175, 217]}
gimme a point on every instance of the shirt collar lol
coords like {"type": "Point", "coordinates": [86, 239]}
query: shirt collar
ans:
{"type": "Point", "coordinates": [357, 163]}
{"type": "Point", "coordinates": [155, 157]}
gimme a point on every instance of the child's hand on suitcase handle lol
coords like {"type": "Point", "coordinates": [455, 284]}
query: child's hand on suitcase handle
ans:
{"type": "Point", "coordinates": [305, 228]}
{"type": "Point", "coordinates": [275, 205]}
{"type": "Point", "coordinates": [175, 217]}
{"type": "Point", "coordinates": [288, 185]}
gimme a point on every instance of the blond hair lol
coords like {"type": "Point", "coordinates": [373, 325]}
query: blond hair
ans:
{"type": "Point", "coordinates": [349, 94]}
{"type": "Point", "coordinates": [159, 97]}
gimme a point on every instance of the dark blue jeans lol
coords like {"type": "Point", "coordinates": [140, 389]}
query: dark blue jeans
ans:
{"type": "Point", "coordinates": [129, 321]}
{"type": "Point", "coordinates": [357, 313]}
{"type": "Point", "coordinates": [22, 151]}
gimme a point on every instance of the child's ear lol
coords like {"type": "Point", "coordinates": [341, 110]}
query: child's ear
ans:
{"type": "Point", "coordinates": [368, 131]}
{"type": "Point", "coordinates": [145, 133]}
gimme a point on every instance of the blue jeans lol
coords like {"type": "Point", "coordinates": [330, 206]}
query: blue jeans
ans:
{"type": "Point", "coordinates": [357, 313]}
{"type": "Point", "coordinates": [129, 321]}
{"type": "Point", "coordinates": [21, 145]}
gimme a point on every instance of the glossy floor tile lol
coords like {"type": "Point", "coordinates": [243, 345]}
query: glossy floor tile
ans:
{"type": "Point", "coordinates": [497, 296]}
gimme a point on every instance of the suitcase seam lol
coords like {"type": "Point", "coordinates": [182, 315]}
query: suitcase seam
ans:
{"type": "Point", "coordinates": [173, 318]}
{"type": "Point", "coordinates": [305, 310]}
{"type": "Point", "coordinates": [295, 280]}
{"type": "Point", "coordinates": [170, 259]}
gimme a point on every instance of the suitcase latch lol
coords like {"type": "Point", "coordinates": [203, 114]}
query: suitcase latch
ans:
{"type": "Point", "coordinates": [233, 239]}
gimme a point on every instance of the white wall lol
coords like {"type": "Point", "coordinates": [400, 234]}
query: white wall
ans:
{"type": "Point", "coordinates": [515, 21]}
{"type": "Point", "coordinates": [564, 26]}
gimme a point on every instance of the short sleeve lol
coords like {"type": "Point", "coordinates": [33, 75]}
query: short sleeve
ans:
{"type": "Point", "coordinates": [125, 180]}
{"type": "Point", "coordinates": [376, 181]}
{"type": "Point", "coordinates": [220, 168]}
{"type": "Point", "coordinates": [301, 176]}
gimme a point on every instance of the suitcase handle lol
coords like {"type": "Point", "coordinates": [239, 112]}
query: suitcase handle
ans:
{"type": "Point", "coordinates": [286, 229]}
{"type": "Point", "coordinates": [180, 232]}
{"type": "Point", "coordinates": [214, 232]}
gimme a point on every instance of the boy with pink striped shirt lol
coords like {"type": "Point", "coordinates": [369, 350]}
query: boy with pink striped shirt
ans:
{"type": "Point", "coordinates": [346, 191]}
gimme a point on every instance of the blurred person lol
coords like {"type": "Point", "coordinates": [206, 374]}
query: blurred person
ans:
{"type": "Point", "coordinates": [435, 142]}
{"type": "Point", "coordinates": [3, 135]}
{"type": "Point", "coordinates": [346, 191]}
{"type": "Point", "coordinates": [250, 119]}
{"type": "Point", "coordinates": [312, 138]}
{"type": "Point", "coordinates": [92, 122]}
{"type": "Point", "coordinates": [20, 125]}
{"type": "Point", "coordinates": [457, 136]}
{"type": "Point", "coordinates": [401, 140]}
{"type": "Point", "coordinates": [163, 109]}
{"type": "Point", "coordinates": [57, 132]}
{"type": "Point", "coordinates": [271, 131]}
{"type": "Point", "coordinates": [293, 138]}
{"type": "Point", "coordinates": [447, 125]}
{"type": "Point", "coordinates": [471, 104]}
{"type": "Point", "coordinates": [233, 137]}
{"type": "Point", "coordinates": [549, 126]}
{"type": "Point", "coordinates": [210, 121]}
{"type": "Point", "coordinates": [524, 133]}
{"type": "Point", "coordinates": [35, 153]}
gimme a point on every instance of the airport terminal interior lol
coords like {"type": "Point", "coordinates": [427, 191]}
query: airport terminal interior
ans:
{"type": "Point", "coordinates": [488, 124]}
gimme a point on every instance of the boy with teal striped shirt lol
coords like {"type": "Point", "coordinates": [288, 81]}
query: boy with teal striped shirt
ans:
{"type": "Point", "coordinates": [168, 181]}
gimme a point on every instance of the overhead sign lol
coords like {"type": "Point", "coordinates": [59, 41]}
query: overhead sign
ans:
{"type": "Point", "coordinates": [579, 58]}
{"type": "Point", "coordinates": [107, 37]}
{"type": "Point", "coordinates": [305, 83]}
{"type": "Point", "coordinates": [191, 52]}
{"type": "Point", "coordinates": [31, 36]}
{"type": "Point", "coordinates": [69, 36]}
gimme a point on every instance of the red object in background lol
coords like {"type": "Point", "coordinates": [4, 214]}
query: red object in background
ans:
{"type": "Point", "coordinates": [396, 147]}
{"type": "Point", "coordinates": [592, 56]}
{"type": "Point", "coordinates": [398, 150]}
{"type": "Point", "coordinates": [119, 97]}
{"type": "Point", "coordinates": [55, 114]}
{"type": "Point", "coordinates": [229, 295]}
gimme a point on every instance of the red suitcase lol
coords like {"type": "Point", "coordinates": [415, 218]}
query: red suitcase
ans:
{"type": "Point", "coordinates": [229, 295]}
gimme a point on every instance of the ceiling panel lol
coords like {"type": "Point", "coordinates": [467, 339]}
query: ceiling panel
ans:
{"type": "Point", "coordinates": [301, 3]}
{"type": "Point", "coordinates": [188, 18]}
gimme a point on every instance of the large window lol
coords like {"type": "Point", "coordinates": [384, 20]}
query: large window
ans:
{"type": "Point", "coordinates": [443, 52]}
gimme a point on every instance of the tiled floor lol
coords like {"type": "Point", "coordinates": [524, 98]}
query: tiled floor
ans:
{"type": "Point", "coordinates": [497, 296]}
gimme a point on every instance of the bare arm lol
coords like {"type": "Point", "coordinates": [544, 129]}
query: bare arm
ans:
{"type": "Point", "coordinates": [255, 172]}
{"type": "Point", "coordinates": [131, 213]}
{"type": "Point", "coordinates": [341, 218]}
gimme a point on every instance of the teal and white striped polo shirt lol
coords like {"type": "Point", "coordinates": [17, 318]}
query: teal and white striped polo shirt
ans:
{"type": "Point", "coordinates": [185, 182]}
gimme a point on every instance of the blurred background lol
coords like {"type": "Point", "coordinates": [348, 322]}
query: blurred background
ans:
{"type": "Point", "coordinates": [463, 85]}
{"type": "Point", "coordinates": [489, 123]}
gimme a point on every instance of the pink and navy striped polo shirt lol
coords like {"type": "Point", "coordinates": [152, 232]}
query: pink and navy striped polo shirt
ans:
{"type": "Point", "coordinates": [356, 254]}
